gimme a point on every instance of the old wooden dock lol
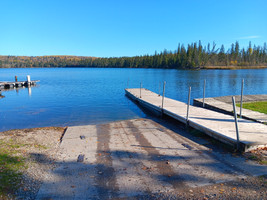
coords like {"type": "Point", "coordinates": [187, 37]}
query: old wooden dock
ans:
{"type": "Point", "coordinates": [218, 125]}
{"type": "Point", "coordinates": [17, 84]}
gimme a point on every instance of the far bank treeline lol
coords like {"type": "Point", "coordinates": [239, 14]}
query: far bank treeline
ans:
{"type": "Point", "coordinates": [194, 56]}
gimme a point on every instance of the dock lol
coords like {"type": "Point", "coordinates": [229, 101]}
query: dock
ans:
{"type": "Point", "coordinates": [17, 84]}
{"type": "Point", "coordinates": [220, 126]}
{"type": "Point", "coordinates": [224, 104]}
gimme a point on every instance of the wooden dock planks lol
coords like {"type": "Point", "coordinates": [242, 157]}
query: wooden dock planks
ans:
{"type": "Point", "coordinates": [217, 125]}
{"type": "Point", "coordinates": [7, 84]}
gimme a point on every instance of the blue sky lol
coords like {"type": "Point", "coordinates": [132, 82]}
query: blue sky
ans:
{"type": "Point", "coordinates": [107, 28]}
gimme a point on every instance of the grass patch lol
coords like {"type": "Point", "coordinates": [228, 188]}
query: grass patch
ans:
{"type": "Point", "coordinates": [255, 106]}
{"type": "Point", "coordinates": [10, 174]}
{"type": "Point", "coordinates": [11, 166]}
{"type": "Point", "coordinates": [263, 162]}
{"type": "Point", "coordinates": [257, 158]}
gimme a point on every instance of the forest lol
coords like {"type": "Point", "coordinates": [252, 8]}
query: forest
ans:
{"type": "Point", "coordinates": [194, 56]}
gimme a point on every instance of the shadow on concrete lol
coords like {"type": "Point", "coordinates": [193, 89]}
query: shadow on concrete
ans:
{"type": "Point", "coordinates": [73, 180]}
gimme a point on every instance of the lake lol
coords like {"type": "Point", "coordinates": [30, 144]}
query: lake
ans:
{"type": "Point", "coordinates": [81, 96]}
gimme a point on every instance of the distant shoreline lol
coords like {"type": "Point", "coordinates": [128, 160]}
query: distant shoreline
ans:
{"type": "Point", "coordinates": [235, 67]}
{"type": "Point", "coordinates": [199, 68]}
{"type": "Point", "coordinates": [195, 56]}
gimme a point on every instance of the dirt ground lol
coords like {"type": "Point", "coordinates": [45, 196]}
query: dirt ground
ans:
{"type": "Point", "coordinates": [40, 152]}
{"type": "Point", "coordinates": [38, 149]}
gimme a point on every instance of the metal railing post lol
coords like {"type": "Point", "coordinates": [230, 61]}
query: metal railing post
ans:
{"type": "Point", "coordinates": [163, 94]}
{"type": "Point", "coordinates": [140, 90]}
{"type": "Point", "coordinates": [236, 123]}
{"type": "Point", "coordinates": [188, 103]}
{"type": "Point", "coordinates": [241, 98]}
{"type": "Point", "coordinates": [204, 87]}
{"type": "Point", "coordinates": [159, 88]}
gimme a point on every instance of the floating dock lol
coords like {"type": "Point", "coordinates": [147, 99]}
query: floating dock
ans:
{"type": "Point", "coordinates": [224, 104]}
{"type": "Point", "coordinates": [220, 126]}
{"type": "Point", "coordinates": [17, 84]}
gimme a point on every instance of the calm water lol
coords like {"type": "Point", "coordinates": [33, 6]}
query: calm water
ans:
{"type": "Point", "coordinates": [70, 96]}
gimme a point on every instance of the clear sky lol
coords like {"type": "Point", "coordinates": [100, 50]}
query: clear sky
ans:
{"type": "Point", "coordinates": [107, 28]}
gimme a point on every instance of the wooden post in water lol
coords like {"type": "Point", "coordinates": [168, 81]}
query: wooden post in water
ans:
{"type": "Point", "coordinates": [28, 80]}
{"type": "Point", "coordinates": [241, 98]}
{"type": "Point", "coordinates": [204, 93]}
{"type": "Point", "coordinates": [188, 104]}
{"type": "Point", "coordinates": [163, 94]}
{"type": "Point", "coordinates": [236, 123]}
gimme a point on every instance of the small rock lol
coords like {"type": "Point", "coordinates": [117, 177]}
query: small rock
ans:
{"type": "Point", "coordinates": [82, 137]}
{"type": "Point", "coordinates": [80, 158]}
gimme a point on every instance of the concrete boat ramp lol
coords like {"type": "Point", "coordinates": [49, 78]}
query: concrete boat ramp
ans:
{"type": "Point", "coordinates": [138, 159]}
{"type": "Point", "coordinates": [218, 125]}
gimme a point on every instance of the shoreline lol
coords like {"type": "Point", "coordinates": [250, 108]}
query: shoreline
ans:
{"type": "Point", "coordinates": [235, 67]}
{"type": "Point", "coordinates": [198, 68]}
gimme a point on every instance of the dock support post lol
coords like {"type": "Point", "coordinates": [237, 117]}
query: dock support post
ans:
{"type": "Point", "coordinates": [28, 79]}
{"type": "Point", "coordinates": [236, 123]}
{"type": "Point", "coordinates": [140, 89]}
{"type": "Point", "coordinates": [188, 104]}
{"type": "Point", "coordinates": [159, 88]}
{"type": "Point", "coordinates": [163, 94]}
{"type": "Point", "coordinates": [204, 87]}
{"type": "Point", "coordinates": [241, 100]}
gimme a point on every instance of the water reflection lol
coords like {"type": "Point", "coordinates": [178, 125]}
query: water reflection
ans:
{"type": "Point", "coordinates": [30, 91]}
{"type": "Point", "coordinates": [18, 89]}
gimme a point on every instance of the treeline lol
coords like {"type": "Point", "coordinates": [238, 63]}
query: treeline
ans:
{"type": "Point", "coordinates": [193, 56]}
